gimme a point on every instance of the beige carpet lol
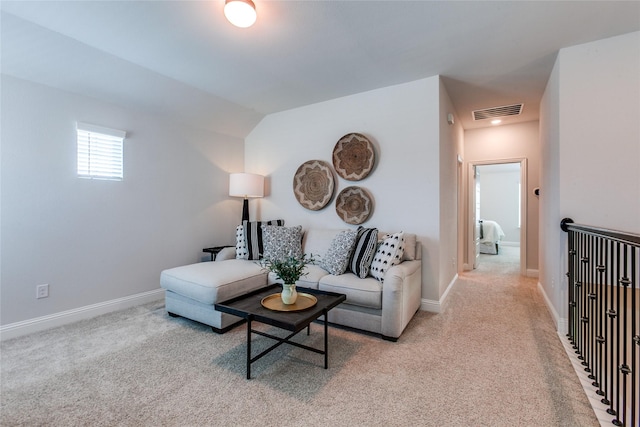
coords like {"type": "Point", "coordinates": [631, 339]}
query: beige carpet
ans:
{"type": "Point", "coordinates": [492, 358]}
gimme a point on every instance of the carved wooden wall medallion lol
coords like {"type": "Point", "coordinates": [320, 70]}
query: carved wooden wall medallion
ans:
{"type": "Point", "coordinates": [353, 157]}
{"type": "Point", "coordinates": [313, 184]}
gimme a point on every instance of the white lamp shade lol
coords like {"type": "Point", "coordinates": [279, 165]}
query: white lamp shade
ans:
{"type": "Point", "coordinates": [241, 13]}
{"type": "Point", "coordinates": [246, 185]}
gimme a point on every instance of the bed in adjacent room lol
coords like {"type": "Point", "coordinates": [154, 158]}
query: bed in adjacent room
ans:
{"type": "Point", "coordinates": [490, 236]}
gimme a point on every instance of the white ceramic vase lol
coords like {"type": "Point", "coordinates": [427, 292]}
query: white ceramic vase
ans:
{"type": "Point", "coordinates": [289, 294]}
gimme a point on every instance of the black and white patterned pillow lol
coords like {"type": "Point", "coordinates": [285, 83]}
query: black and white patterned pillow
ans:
{"type": "Point", "coordinates": [253, 236]}
{"type": "Point", "coordinates": [281, 242]}
{"type": "Point", "coordinates": [336, 259]}
{"type": "Point", "coordinates": [389, 253]}
{"type": "Point", "coordinates": [241, 244]}
{"type": "Point", "coordinates": [363, 251]}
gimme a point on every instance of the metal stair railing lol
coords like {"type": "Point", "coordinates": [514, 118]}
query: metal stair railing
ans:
{"type": "Point", "coordinates": [604, 323]}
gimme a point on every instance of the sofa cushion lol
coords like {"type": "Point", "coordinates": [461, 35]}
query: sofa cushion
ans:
{"type": "Point", "coordinates": [310, 279]}
{"type": "Point", "coordinates": [336, 259]}
{"type": "Point", "coordinates": [363, 251]}
{"type": "Point", "coordinates": [253, 236]}
{"type": "Point", "coordinates": [316, 241]}
{"type": "Point", "coordinates": [362, 292]}
{"type": "Point", "coordinates": [409, 247]}
{"type": "Point", "coordinates": [211, 282]}
{"type": "Point", "coordinates": [281, 242]}
{"type": "Point", "coordinates": [389, 253]}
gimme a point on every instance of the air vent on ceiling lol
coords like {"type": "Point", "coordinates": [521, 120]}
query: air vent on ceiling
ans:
{"type": "Point", "coordinates": [505, 110]}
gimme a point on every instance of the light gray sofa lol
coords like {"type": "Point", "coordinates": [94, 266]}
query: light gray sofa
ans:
{"type": "Point", "coordinates": [383, 308]}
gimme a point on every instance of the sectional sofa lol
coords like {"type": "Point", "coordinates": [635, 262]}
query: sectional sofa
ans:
{"type": "Point", "coordinates": [382, 296]}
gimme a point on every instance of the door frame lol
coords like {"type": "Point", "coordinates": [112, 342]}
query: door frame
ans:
{"type": "Point", "coordinates": [468, 215]}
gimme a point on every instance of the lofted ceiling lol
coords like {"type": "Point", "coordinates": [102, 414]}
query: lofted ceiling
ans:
{"type": "Point", "coordinates": [183, 59]}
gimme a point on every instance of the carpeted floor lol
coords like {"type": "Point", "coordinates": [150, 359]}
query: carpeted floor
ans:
{"type": "Point", "coordinates": [492, 358]}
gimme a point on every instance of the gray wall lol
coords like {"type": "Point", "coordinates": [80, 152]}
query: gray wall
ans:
{"type": "Point", "coordinates": [406, 182]}
{"type": "Point", "coordinates": [510, 142]}
{"type": "Point", "coordinates": [499, 199]}
{"type": "Point", "coordinates": [94, 241]}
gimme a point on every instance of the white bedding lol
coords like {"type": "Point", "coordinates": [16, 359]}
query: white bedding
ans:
{"type": "Point", "coordinates": [491, 232]}
{"type": "Point", "coordinates": [490, 236]}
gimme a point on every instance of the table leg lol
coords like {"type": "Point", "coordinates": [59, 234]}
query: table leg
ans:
{"type": "Point", "coordinates": [326, 340]}
{"type": "Point", "coordinates": [249, 319]}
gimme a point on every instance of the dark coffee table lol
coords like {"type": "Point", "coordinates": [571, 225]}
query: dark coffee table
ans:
{"type": "Point", "coordinates": [249, 307]}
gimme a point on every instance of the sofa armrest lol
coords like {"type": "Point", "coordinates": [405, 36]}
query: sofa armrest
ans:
{"type": "Point", "coordinates": [401, 296]}
{"type": "Point", "coordinates": [226, 253]}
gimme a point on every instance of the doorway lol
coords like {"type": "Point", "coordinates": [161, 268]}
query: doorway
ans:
{"type": "Point", "coordinates": [496, 218]}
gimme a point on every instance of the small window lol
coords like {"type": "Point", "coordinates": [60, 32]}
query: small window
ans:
{"type": "Point", "coordinates": [100, 152]}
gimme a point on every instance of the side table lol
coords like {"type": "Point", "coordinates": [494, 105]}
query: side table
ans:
{"type": "Point", "coordinates": [214, 251]}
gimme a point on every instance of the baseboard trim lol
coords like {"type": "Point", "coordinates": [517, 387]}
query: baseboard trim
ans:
{"type": "Point", "coordinates": [532, 273]}
{"type": "Point", "coordinates": [595, 400]}
{"type": "Point", "coordinates": [438, 306]}
{"type": "Point", "coordinates": [13, 330]}
{"type": "Point", "coordinates": [562, 324]}
{"type": "Point", "coordinates": [430, 305]}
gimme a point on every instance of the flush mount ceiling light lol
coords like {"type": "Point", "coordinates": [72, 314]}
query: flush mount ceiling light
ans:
{"type": "Point", "coordinates": [241, 13]}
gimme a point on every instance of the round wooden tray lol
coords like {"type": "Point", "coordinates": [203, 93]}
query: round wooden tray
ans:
{"type": "Point", "coordinates": [274, 302]}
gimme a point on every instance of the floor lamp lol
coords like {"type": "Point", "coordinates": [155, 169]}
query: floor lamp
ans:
{"type": "Point", "coordinates": [246, 185]}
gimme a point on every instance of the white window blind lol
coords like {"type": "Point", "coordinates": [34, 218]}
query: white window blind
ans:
{"type": "Point", "coordinates": [100, 152]}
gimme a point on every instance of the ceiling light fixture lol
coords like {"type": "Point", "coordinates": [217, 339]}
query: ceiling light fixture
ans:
{"type": "Point", "coordinates": [241, 13]}
{"type": "Point", "coordinates": [496, 121]}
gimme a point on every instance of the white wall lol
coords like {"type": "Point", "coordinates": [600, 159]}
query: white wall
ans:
{"type": "Point", "coordinates": [403, 124]}
{"type": "Point", "coordinates": [499, 199]}
{"type": "Point", "coordinates": [451, 146]}
{"type": "Point", "coordinates": [512, 142]}
{"type": "Point", "coordinates": [94, 241]}
{"type": "Point", "coordinates": [591, 148]}
{"type": "Point", "coordinates": [601, 153]}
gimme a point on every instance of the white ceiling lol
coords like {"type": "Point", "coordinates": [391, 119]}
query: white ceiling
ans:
{"type": "Point", "coordinates": [184, 59]}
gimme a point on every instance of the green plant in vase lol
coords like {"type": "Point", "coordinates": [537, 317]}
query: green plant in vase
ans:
{"type": "Point", "coordinates": [289, 270]}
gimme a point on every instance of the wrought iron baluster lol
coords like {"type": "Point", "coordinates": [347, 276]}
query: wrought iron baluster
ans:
{"type": "Point", "coordinates": [603, 282]}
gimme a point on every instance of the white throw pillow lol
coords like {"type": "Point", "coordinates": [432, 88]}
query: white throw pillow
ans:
{"type": "Point", "coordinates": [241, 244]}
{"type": "Point", "coordinates": [389, 253]}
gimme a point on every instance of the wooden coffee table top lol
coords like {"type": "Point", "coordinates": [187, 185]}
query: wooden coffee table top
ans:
{"type": "Point", "coordinates": [250, 305]}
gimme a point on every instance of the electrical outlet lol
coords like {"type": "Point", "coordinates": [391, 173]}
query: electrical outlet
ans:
{"type": "Point", "coordinates": [42, 291]}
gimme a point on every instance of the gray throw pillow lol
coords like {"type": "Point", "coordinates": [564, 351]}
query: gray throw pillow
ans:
{"type": "Point", "coordinates": [336, 259]}
{"type": "Point", "coordinates": [281, 242]}
{"type": "Point", "coordinates": [253, 236]}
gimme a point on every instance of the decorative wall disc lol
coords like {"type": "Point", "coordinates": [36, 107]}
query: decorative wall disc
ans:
{"type": "Point", "coordinates": [353, 157]}
{"type": "Point", "coordinates": [313, 184]}
{"type": "Point", "coordinates": [354, 205]}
